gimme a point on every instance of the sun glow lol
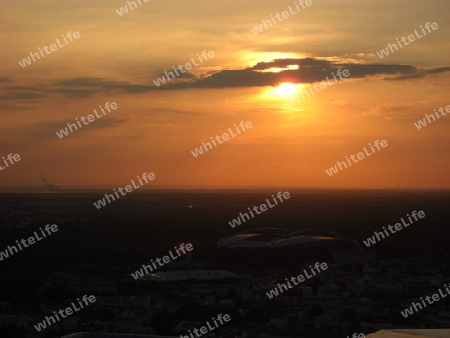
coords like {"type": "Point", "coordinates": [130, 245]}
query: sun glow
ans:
{"type": "Point", "coordinates": [278, 69]}
{"type": "Point", "coordinates": [285, 89]}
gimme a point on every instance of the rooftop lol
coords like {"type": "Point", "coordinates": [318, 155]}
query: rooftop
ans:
{"type": "Point", "coordinates": [432, 333]}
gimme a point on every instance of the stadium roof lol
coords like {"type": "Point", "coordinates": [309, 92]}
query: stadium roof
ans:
{"type": "Point", "coordinates": [432, 333]}
{"type": "Point", "coordinates": [174, 276]}
{"type": "Point", "coordinates": [276, 238]}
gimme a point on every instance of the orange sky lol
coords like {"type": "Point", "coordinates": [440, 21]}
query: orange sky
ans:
{"type": "Point", "coordinates": [117, 58]}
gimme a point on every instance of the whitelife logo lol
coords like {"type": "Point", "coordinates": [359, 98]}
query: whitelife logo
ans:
{"type": "Point", "coordinates": [263, 207]}
{"type": "Point", "coordinates": [124, 10]}
{"type": "Point", "coordinates": [162, 80]}
{"type": "Point", "coordinates": [68, 311]}
{"type": "Point", "coordinates": [284, 14]}
{"type": "Point", "coordinates": [398, 226]}
{"type": "Point", "coordinates": [31, 240]}
{"type": "Point", "coordinates": [225, 137]}
{"type": "Point", "coordinates": [355, 335]}
{"type": "Point", "coordinates": [53, 48]}
{"type": "Point", "coordinates": [146, 269]}
{"type": "Point", "coordinates": [360, 155]}
{"type": "Point", "coordinates": [323, 85]}
{"type": "Point", "coordinates": [12, 159]}
{"type": "Point", "coordinates": [90, 118]}
{"type": "Point", "coordinates": [411, 38]}
{"type": "Point", "coordinates": [204, 330]}
{"type": "Point", "coordinates": [423, 123]}
{"type": "Point", "coordinates": [417, 306]}
{"type": "Point", "coordinates": [300, 278]}
{"type": "Point", "coordinates": [146, 177]}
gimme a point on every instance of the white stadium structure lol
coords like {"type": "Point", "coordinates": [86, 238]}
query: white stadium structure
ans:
{"type": "Point", "coordinates": [281, 238]}
{"type": "Point", "coordinates": [426, 333]}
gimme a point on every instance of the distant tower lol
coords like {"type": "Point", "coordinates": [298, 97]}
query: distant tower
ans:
{"type": "Point", "coordinates": [48, 185]}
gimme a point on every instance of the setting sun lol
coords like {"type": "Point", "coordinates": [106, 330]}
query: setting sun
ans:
{"type": "Point", "coordinates": [285, 89]}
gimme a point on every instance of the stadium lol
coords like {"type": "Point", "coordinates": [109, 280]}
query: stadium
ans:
{"type": "Point", "coordinates": [271, 247]}
{"type": "Point", "coordinates": [273, 238]}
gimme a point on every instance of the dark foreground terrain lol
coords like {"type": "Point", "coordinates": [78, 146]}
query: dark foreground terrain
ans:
{"type": "Point", "coordinates": [103, 246]}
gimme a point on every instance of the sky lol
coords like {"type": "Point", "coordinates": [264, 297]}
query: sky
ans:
{"type": "Point", "coordinates": [251, 77]}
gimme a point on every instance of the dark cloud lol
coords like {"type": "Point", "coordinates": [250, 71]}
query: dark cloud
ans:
{"type": "Point", "coordinates": [406, 77]}
{"type": "Point", "coordinates": [108, 122]}
{"type": "Point", "coordinates": [7, 107]}
{"type": "Point", "coordinates": [420, 73]}
{"type": "Point", "coordinates": [438, 70]}
{"type": "Point", "coordinates": [75, 93]}
{"type": "Point", "coordinates": [309, 70]}
{"type": "Point", "coordinates": [23, 96]}
{"type": "Point", "coordinates": [99, 84]}
{"type": "Point", "coordinates": [14, 92]}
{"type": "Point", "coordinates": [181, 75]}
